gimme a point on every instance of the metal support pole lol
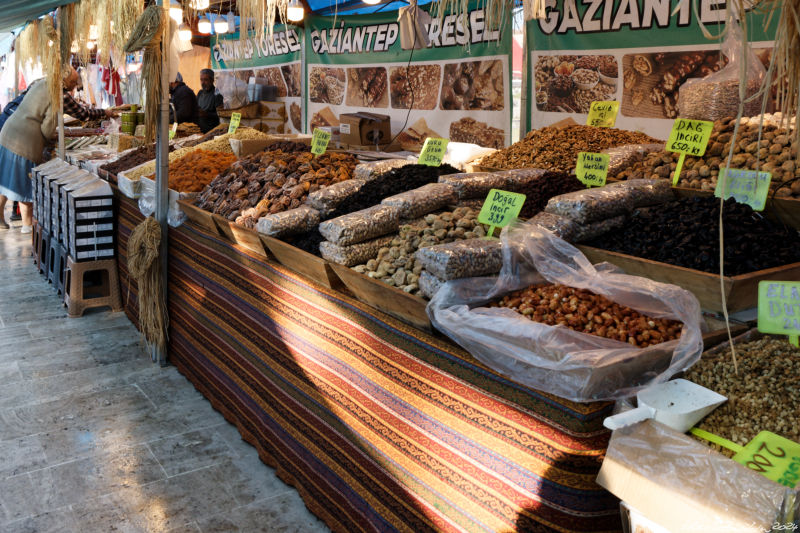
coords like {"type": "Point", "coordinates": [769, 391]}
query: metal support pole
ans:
{"type": "Point", "coordinates": [524, 102]}
{"type": "Point", "coordinates": [16, 73]}
{"type": "Point", "coordinates": [60, 101]}
{"type": "Point", "coordinates": [162, 170]}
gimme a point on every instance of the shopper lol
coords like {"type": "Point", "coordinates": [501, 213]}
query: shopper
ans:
{"type": "Point", "coordinates": [183, 101]}
{"type": "Point", "coordinates": [24, 136]}
{"type": "Point", "coordinates": [208, 100]}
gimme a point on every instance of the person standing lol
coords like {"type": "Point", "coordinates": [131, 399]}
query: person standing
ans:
{"type": "Point", "coordinates": [208, 100]}
{"type": "Point", "coordinates": [23, 138]}
{"type": "Point", "coordinates": [183, 101]}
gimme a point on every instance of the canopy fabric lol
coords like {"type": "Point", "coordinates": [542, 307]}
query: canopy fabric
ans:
{"type": "Point", "coordinates": [17, 12]}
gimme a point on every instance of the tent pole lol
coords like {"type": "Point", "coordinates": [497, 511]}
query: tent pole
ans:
{"type": "Point", "coordinates": [60, 102]}
{"type": "Point", "coordinates": [162, 171]}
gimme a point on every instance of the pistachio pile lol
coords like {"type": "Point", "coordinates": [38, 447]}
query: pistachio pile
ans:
{"type": "Point", "coordinates": [764, 395]}
{"type": "Point", "coordinates": [557, 148]}
{"type": "Point", "coordinates": [775, 153]}
{"type": "Point", "coordinates": [395, 264]}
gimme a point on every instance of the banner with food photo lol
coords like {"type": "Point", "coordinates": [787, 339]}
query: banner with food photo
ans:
{"type": "Point", "coordinates": [457, 87]}
{"type": "Point", "coordinates": [246, 69]}
{"type": "Point", "coordinates": [649, 55]}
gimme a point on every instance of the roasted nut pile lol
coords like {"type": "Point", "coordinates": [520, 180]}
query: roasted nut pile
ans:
{"type": "Point", "coordinates": [194, 171]}
{"type": "Point", "coordinates": [582, 310]}
{"type": "Point", "coordinates": [396, 265]}
{"type": "Point", "coordinates": [765, 395]}
{"type": "Point", "coordinates": [584, 76]}
{"type": "Point", "coordinates": [776, 154]}
{"type": "Point", "coordinates": [686, 233]}
{"type": "Point", "coordinates": [138, 156]}
{"type": "Point", "coordinates": [272, 182]}
{"type": "Point", "coordinates": [557, 148]}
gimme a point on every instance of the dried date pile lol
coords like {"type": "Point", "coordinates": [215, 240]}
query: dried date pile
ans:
{"type": "Point", "coordinates": [557, 148]}
{"type": "Point", "coordinates": [776, 154]}
{"type": "Point", "coordinates": [685, 233]}
{"type": "Point", "coordinates": [587, 312]}
{"type": "Point", "coordinates": [764, 395]}
{"type": "Point", "coordinates": [272, 182]}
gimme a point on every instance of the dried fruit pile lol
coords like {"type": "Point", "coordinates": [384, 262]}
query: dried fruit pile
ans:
{"type": "Point", "coordinates": [686, 233]}
{"type": "Point", "coordinates": [557, 148]}
{"type": "Point", "coordinates": [764, 395]}
{"type": "Point", "coordinates": [584, 311]}
{"type": "Point", "coordinates": [272, 182]}
{"type": "Point", "coordinates": [140, 155]}
{"type": "Point", "coordinates": [195, 170]}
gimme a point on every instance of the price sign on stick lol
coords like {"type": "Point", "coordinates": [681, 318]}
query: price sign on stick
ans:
{"type": "Point", "coordinates": [500, 208]}
{"type": "Point", "coordinates": [745, 186]}
{"type": "Point", "coordinates": [603, 114]}
{"type": "Point", "coordinates": [592, 169]}
{"type": "Point", "coordinates": [236, 119]}
{"type": "Point", "coordinates": [433, 151]}
{"type": "Point", "coordinates": [688, 137]}
{"type": "Point", "coordinates": [779, 308]}
{"type": "Point", "coordinates": [319, 141]}
{"type": "Point", "coordinates": [771, 455]}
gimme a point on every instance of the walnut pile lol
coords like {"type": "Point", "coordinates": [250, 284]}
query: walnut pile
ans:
{"type": "Point", "coordinates": [272, 182]}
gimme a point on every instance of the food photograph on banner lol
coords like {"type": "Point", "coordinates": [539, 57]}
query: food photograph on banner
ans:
{"type": "Point", "coordinates": [649, 56]}
{"type": "Point", "coordinates": [264, 72]}
{"type": "Point", "coordinates": [360, 69]}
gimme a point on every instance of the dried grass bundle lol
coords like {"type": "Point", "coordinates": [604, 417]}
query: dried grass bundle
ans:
{"type": "Point", "coordinates": [66, 28]}
{"type": "Point", "coordinates": [49, 44]}
{"type": "Point", "coordinates": [124, 14]}
{"type": "Point", "coordinates": [103, 22]}
{"type": "Point", "coordinates": [147, 34]}
{"type": "Point", "coordinates": [82, 23]}
{"type": "Point", "coordinates": [260, 16]}
{"type": "Point", "coordinates": [144, 266]}
{"type": "Point", "coordinates": [496, 13]}
{"type": "Point", "coordinates": [786, 61]}
{"type": "Point", "coordinates": [27, 45]}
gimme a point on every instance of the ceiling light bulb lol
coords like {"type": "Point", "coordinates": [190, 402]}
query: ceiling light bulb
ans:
{"type": "Point", "coordinates": [231, 22]}
{"type": "Point", "coordinates": [184, 32]}
{"type": "Point", "coordinates": [90, 45]}
{"type": "Point", "coordinates": [372, 2]}
{"type": "Point", "coordinates": [295, 11]}
{"type": "Point", "coordinates": [220, 24]}
{"type": "Point", "coordinates": [74, 48]}
{"type": "Point", "coordinates": [175, 11]}
{"type": "Point", "coordinates": [204, 25]}
{"type": "Point", "coordinates": [93, 32]}
{"type": "Point", "coordinates": [200, 4]}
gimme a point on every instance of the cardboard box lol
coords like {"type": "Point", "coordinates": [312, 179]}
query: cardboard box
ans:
{"type": "Point", "coordinates": [273, 110]}
{"type": "Point", "coordinates": [246, 147]}
{"type": "Point", "coordinates": [683, 485]}
{"type": "Point", "coordinates": [364, 129]}
{"type": "Point", "coordinates": [272, 125]}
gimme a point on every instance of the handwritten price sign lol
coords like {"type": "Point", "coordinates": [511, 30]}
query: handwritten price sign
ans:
{"type": "Point", "coordinates": [779, 308]}
{"type": "Point", "coordinates": [688, 137]}
{"type": "Point", "coordinates": [592, 169]}
{"type": "Point", "coordinates": [603, 114]}
{"type": "Point", "coordinates": [433, 151]}
{"type": "Point", "coordinates": [745, 186]}
{"type": "Point", "coordinates": [500, 208]}
{"type": "Point", "coordinates": [236, 119]}
{"type": "Point", "coordinates": [319, 141]}
{"type": "Point", "coordinates": [772, 456]}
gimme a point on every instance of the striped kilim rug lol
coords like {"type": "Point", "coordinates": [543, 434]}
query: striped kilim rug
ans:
{"type": "Point", "coordinates": [381, 427]}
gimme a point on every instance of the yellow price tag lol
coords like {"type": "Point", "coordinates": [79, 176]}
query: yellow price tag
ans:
{"type": "Point", "coordinates": [603, 114]}
{"type": "Point", "coordinates": [500, 208]}
{"type": "Point", "coordinates": [774, 457]}
{"type": "Point", "coordinates": [688, 137]}
{"type": "Point", "coordinates": [779, 308]}
{"type": "Point", "coordinates": [236, 119]}
{"type": "Point", "coordinates": [433, 151]}
{"type": "Point", "coordinates": [745, 186]}
{"type": "Point", "coordinates": [592, 169]}
{"type": "Point", "coordinates": [319, 141]}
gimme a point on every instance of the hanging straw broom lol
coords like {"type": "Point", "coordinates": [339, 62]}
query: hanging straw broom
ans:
{"type": "Point", "coordinates": [148, 33]}
{"type": "Point", "coordinates": [144, 266]}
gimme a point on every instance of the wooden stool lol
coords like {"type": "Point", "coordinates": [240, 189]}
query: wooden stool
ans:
{"type": "Point", "coordinates": [75, 294]}
{"type": "Point", "coordinates": [42, 252]}
{"type": "Point", "coordinates": [54, 262]}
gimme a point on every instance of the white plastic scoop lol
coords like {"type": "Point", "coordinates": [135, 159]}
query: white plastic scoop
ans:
{"type": "Point", "coordinates": [679, 404]}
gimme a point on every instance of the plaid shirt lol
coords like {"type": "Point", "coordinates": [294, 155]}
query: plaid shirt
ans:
{"type": "Point", "coordinates": [76, 110]}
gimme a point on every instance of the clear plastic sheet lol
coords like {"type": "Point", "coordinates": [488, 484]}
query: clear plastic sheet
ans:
{"type": "Point", "coordinates": [474, 184]}
{"type": "Point", "coordinates": [373, 169]}
{"type": "Point", "coordinates": [561, 226]}
{"type": "Point", "coordinates": [298, 220]}
{"type": "Point", "coordinates": [361, 225]}
{"type": "Point", "coordinates": [655, 468]}
{"type": "Point", "coordinates": [327, 199]}
{"type": "Point", "coordinates": [426, 199]}
{"type": "Point", "coordinates": [354, 254]}
{"type": "Point", "coordinates": [585, 232]}
{"type": "Point", "coordinates": [429, 284]}
{"type": "Point", "coordinates": [555, 359]}
{"type": "Point", "coordinates": [612, 200]}
{"type": "Point", "coordinates": [717, 95]}
{"type": "Point", "coordinates": [622, 157]}
{"type": "Point", "coordinates": [462, 259]}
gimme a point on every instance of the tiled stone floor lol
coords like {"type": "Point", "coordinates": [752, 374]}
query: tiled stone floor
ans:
{"type": "Point", "coordinates": [96, 438]}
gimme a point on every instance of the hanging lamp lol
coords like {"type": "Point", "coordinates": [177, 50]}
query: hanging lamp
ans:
{"type": "Point", "coordinates": [184, 32]}
{"type": "Point", "coordinates": [204, 25]}
{"type": "Point", "coordinates": [295, 11]}
{"type": "Point", "coordinates": [175, 11]}
{"type": "Point", "coordinates": [220, 24]}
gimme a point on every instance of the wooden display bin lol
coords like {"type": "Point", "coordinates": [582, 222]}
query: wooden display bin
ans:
{"type": "Point", "coordinates": [392, 301]}
{"type": "Point", "coordinates": [198, 217]}
{"type": "Point", "coordinates": [238, 234]}
{"type": "Point", "coordinates": [309, 265]}
{"type": "Point", "coordinates": [784, 210]}
{"type": "Point", "coordinates": [741, 292]}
